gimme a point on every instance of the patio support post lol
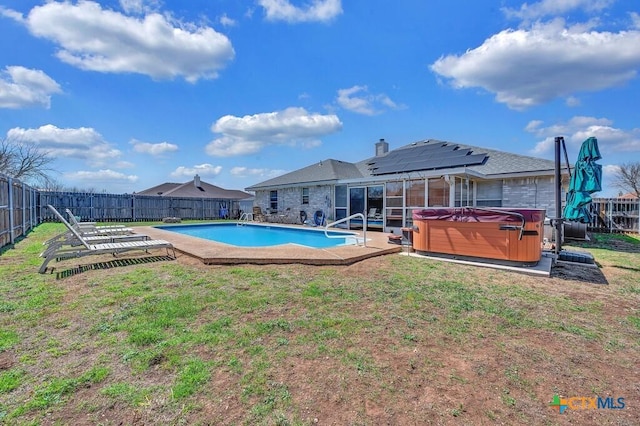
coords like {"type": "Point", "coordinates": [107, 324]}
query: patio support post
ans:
{"type": "Point", "coordinates": [558, 219]}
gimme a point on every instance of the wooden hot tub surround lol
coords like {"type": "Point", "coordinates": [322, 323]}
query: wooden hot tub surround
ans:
{"type": "Point", "coordinates": [511, 235]}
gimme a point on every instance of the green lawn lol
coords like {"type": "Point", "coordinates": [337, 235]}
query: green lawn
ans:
{"type": "Point", "coordinates": [391, 340]}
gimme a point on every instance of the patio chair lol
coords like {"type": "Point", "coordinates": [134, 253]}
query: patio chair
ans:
{"type": "Point", "coordinates": [85, 231]}
{"type": "Point", "coordinates": [373, 213]}
{"type": "Point", "coordinates": [67, 238]}
{"type": "Point", "coordinates": [272, 215]}
{"type": "Point", "coordinates": [92, 227]}
{"type": "Point", "coordinates": [319, 218]}
{"type": "Point", "coordinates": [285, 216]}
{"type": "Point", "coordinates": [86, 248]}
{"type": "Point", "coordinates": [71, 240]}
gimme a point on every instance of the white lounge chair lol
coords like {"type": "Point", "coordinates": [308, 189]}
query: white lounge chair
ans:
{"type": "Point", "coordinates": [86, 231]}
{"type": "Point", "coordinates": [373, 214]}
{"type": "Point", "coordinates": [92, 227]}
{"type": "Point", "coordinates": [85, 248]}
{"type": "Point", "coordinates": [69, 239]}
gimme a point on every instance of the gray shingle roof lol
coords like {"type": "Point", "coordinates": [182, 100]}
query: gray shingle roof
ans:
{"type": "Point", "coordinates": [501, 162]}
{"type": "Point", "coordinates": [497, 163]}
{"type": "Point", "coordinates": [323, 171]}
{"type": "Point", "coordinates": [190, 190]}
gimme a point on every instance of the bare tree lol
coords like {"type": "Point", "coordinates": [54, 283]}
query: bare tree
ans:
{"type": "Point", "coordinates": [628, 178]}
{"type": "Point", "coordinates": [24, 161]}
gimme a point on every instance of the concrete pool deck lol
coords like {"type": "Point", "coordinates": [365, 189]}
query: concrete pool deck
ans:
{"type": "Point", "coordinates": [214, 253]}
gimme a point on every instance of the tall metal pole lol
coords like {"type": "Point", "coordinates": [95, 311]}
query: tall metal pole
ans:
{"type": "Point", "coordinates": [558, 219]}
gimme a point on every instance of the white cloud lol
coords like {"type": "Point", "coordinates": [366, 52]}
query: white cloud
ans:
{"type": "Point", "coordinates": [139, 6]}
{"type": "Point", "coordinates": [153, 148]}
{"type": "Point", "coordinates": [579, 128]}
{"type": "Point", "coordinates": [316, 11]}
{"type": "Point", "coordinates": [12, 14]}
{"type": "Point", "coordinates": [635, 18]}
{"type": "Point", "coordinates": [225, 21]}
{"type": "Point", "coordinates": [524, 68]}
{"type": "Point", "coordinates": [124, 165]}
{"type": "Point", "coordinates": [572, 101]}
{"type": "Point", "coordinates": [610, 170]}
{"type": "Point", "coordinates": [200, 169]}
{"type": "Point", "coordinates": [22, 87]}
{"type": "Point", "coordinates": [358, 99]}
{"type": "Point", "coordinates": [82, 143]}
{"type": "Point", "coordinates": [100, 176]}
{"type": "Point", "coordinates": [546, 8]}
{"type": "Point", "coordinates": [242, 172]}
{"type": "Point", "coordinates": [251, 133]}
{"type": "Point", "coordinates": [97, 39]}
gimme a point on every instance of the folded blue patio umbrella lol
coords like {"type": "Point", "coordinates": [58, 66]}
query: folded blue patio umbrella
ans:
{"type": "Point", "coordinates": [585, 180]}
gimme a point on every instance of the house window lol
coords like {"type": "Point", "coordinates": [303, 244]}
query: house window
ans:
{"type": "Point", "coordinates": [464, 192]}
{"type": "Point", "coordinates": [415, 193]}
{"type": "Point", "coordinates": [438, 193]}
{"type": "Point", "coordinates": [341, 203]}
{"type": "Point", "coordinates": [489, 193]}
{"type": "Point", "coordinates": [394, 204]}
{"type": "Point", "coordinates": [273, 200]}
{"type": "Point", "coordinates": [305, 195]}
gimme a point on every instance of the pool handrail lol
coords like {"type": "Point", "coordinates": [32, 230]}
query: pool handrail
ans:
{"type": "Point", "coordinates": [245, 217]}
{"type": "Point", "coordinates": [353, 216]}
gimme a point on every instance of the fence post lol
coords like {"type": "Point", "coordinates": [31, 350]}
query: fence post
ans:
{"type": "Point", "coordinates": [11, 218]}
{"type": "Point", "coordinates": [24, 213]}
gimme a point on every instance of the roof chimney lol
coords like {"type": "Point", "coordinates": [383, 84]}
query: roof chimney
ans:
{"type": "Point", "coordinates": [382, 147]}
{"type": "Point", "coordinates": [196, 181]}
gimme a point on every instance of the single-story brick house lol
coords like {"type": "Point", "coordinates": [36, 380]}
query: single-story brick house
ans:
{"type": "Point", "coordinates": [430, 173]}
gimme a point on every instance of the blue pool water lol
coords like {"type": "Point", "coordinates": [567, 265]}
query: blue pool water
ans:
{"type": "Point", "coordinates": [247, 235]}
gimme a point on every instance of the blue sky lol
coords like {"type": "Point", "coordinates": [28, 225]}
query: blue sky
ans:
{"type": "Point", "coordinates": [132, 93]}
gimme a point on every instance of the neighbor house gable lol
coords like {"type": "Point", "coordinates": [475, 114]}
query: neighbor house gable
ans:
{"type": "Point", "coordinates": [195, 188]}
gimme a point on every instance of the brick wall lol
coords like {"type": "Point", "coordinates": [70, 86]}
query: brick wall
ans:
{"type": "Point", "coordinates": [320, 198]}
{"type": "Point", "coordinates": [538, 193]}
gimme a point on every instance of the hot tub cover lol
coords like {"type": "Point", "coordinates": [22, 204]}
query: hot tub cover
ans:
{"type": "Point", "coordinates": [472, 214]}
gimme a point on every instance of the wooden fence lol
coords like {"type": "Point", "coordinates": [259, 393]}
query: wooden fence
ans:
{"type": "Point", "coordinates": [131, 207]}
{"type": "Point", "coordinates": [18, 212]}
{"type": "Point", "coordinates": [23, 207]}
{"type": "Point", "coordinates": [615, 214]}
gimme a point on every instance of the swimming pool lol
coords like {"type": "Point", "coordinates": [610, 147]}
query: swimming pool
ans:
{"type": "Point", "coordinates": [248, 235]}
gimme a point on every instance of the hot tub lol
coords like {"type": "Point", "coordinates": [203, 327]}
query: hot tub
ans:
{"type": "Point", "coordinates": [508, 235]}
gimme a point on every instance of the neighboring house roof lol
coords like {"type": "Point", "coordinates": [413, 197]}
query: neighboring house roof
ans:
{"type": "Point", "coordinates": [629, 195]}
{"type": "Point", "coordinates": [194, 189]}
{"type": "Point", "coordinates": [163, 188]}
{"type": "Point", "coordinates": [323, 171]}
{"type": "Point", "coordinates": [423, 156]}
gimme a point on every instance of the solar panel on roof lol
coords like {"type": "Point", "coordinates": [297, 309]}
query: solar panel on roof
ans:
{"type": "Point", "coordinates": [426, 156]}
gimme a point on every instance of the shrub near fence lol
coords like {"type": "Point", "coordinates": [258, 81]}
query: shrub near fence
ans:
{"type": "Point", "coordinates": [18, 212]}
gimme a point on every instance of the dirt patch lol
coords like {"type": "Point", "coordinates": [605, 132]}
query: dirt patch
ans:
{"type": "Point", "coordinates": [7, 360]}
{"type": "Point", "coordinates": [576, 272]}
